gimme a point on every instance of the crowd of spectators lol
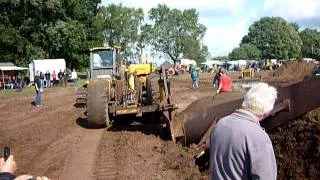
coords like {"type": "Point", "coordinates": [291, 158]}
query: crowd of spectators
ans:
{"type": "Point", "coordinates": [14, 82]}
{"type": "Point", "coordinates": [54, 79]}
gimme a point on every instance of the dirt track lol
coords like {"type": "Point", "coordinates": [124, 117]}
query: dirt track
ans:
{"type": "Point", "coordinates": [53, 140]}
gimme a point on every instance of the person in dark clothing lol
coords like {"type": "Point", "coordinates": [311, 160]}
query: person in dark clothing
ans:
{"type": "Point", "coordinates": [65, 78]}
{"type": "Point", "coordinates": [41, 79]}
{"type": "Point", "coordinates": [216, 79]}
{"type": "Point", "coordinates": [19, 83]}
{"type": "Point", "coordinates": [48, 81]}
{"type": "Point", "coordinates": [60, 76]}
{"type": "Point", "coordinates": [37, 85]}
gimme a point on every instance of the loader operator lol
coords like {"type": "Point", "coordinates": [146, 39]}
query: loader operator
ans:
{"type": "Point", "coordinates": [239, 146]}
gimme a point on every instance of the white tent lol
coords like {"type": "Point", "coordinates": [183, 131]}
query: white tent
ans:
{"type": "Point", "coordinates": [210, 63]}
{"type": "Point", "coordinates": [238, 62]}
{"type": "Point", "coordinates": [45, 65]}
{"type": "Point", "coordinates": [10, 68]}
{"type": "Point", "coordinates": [188, 62]}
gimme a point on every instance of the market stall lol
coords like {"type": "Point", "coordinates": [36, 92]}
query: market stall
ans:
{"type": "Point", "coordinates": [7, 69]}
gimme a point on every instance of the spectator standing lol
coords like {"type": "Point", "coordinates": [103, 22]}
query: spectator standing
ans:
{"type": "Point", "coordinates": [19, 83]}
{"type": "Point", "coordinates": [225, 84]}
{"type": "Point", "coordinates": [42, 79]}
{"type": "Point", "coordinates": [239, 146]}
{"type": "Point", "coordinates": [54, 78]}
{"type": "Point", "coordinates": [60, 76]}
{"type": "Point", "coordinates": [216, 79]}
{"type": "Point", "coordinates": [48, 79]}
{"type": "Point", "coordinates": [74, 77]}
{"type": "Point", "coordinates": [65, 78]}
{"type": "Point", "coordinates": [194, 77]}
{"type": "Point", "coordinates": [37, 84]}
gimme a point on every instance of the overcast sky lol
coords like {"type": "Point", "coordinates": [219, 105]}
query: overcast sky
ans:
{"type": "Point", "coordinates": [227, 21]}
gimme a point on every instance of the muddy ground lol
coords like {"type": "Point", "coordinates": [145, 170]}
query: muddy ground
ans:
{"type": "Point", "coordinates": [54, 140]}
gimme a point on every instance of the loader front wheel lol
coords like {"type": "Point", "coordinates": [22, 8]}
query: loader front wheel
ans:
{"type": "Point", "coordinates": [97, 104]}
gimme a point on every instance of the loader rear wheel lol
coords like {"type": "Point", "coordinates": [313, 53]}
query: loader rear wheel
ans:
{"type": "Point", "coordinates": [153, 90]}
{"type": "Point", "coordinates": [97, 104]}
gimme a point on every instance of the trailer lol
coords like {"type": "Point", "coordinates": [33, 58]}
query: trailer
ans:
{"type": "Point", "coordinates": [44, 65]}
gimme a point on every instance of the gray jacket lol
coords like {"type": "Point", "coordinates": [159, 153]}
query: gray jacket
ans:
{"type": "Point", "coordinates": [241, 149]}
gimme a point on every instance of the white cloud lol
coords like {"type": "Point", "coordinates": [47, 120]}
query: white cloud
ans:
{"type": "Point", "coordinates": [231, 5]}
{"type": "Point", "coordinates": [222, 39]}
{"type": "Point", "coordinates": [227, 21]}
{"type": "Point", "coordinates": [292, 9]}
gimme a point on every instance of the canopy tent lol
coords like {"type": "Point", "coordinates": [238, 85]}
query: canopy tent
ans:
{"type": "Point", "coordinates": [10, 68]}
{"type": "Point", "coordinates": [210, 63]}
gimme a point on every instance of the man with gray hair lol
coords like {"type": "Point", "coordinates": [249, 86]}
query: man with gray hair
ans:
{"type": "Point", "coordinates": [239, 146]}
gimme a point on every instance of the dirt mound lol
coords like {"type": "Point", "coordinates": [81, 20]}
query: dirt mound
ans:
{"type": "Point", "coordinates": [297, 147]}
{"type": "Point", "coordinates": [290, 73]}
{"type": "Point", "coordinates": [141, 156]}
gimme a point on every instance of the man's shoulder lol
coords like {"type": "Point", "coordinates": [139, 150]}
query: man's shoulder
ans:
{"type": "Point", "coordinates": [239, 124]}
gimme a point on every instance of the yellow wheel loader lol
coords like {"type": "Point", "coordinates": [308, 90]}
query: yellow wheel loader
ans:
{"type": "Point", "coordinates": [116, 90]}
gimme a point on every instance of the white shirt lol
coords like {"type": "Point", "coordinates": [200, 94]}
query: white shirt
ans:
{"type": "Point", "coordinates": [74, 75]}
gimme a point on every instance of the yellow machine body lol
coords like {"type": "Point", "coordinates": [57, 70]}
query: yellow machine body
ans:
{"type": "Point", "coordinates": [247, 73]}
{"type": "Point", "coordinates": [140, 72]}
{"type": "Point", "coordinates": [141, 69]}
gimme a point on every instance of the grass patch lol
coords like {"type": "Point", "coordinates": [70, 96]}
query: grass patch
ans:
{"type": "Point", "coordinates": [82, 78]}
{"type": "Point", "coordinates": [25, 91]}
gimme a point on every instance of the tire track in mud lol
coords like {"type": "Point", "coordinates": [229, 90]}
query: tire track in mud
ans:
{"type": "Point", "coordinates": [106, 167]}
{"type": "Point", "coordinates": [81, 163]}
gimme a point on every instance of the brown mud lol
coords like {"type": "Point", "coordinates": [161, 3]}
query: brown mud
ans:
{"type": "Point", "coordinates": [55, 141]}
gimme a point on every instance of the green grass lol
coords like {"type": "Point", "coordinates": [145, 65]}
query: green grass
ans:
{"type": "Point", "coordinates": [25, 91]}
{"type": "Point", "coordinates": [81, 82]}
{"type": "Point", "coordinates": [82, 78]}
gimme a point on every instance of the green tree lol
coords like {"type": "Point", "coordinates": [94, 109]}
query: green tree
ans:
{"type": "Point", "coordinates": [275, 38]}
{"type": "Point", "coordinates": [245, 51]}
{"type": "Point", "coordinates": [193, 49]}
{"type": "Point", "coordinates": [311, 43]}
{"type": "Point", "coordinates": [67, 41]}
{"type": "Point", "coordinates": [171, 30]}
{"type": "Point", "coordinates": [32, 26]}
{"type": "Point", "coordinates": [121, 26]}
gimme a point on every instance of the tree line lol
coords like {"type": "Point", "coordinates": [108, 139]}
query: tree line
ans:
{"type": "Point", "coordinates": [275, 38]}
{"type": "Point", "coordinates": [35, 29]}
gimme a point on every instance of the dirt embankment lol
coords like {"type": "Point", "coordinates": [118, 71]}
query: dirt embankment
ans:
{"type": "Point", "coordinates": [297, 147]}
{"type": "Point", "coordinates": [290, 73]}
{"type": "Point", "coordinates": [296, 143]}
{"type": "Point", "coordinates": [142, 154]}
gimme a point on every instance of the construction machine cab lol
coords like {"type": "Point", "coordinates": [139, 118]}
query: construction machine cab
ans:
{"type": "Point", "coordinates": [104, 62]}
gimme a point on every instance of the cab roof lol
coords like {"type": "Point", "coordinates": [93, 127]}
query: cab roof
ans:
{"type": "Point", "coordinates": [104, 48]}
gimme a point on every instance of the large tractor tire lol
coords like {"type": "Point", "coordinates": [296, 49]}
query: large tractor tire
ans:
{"type": "Point", "coordinates": [153, 90]}
{"type": "Point", "coordinates": [97, 104]}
